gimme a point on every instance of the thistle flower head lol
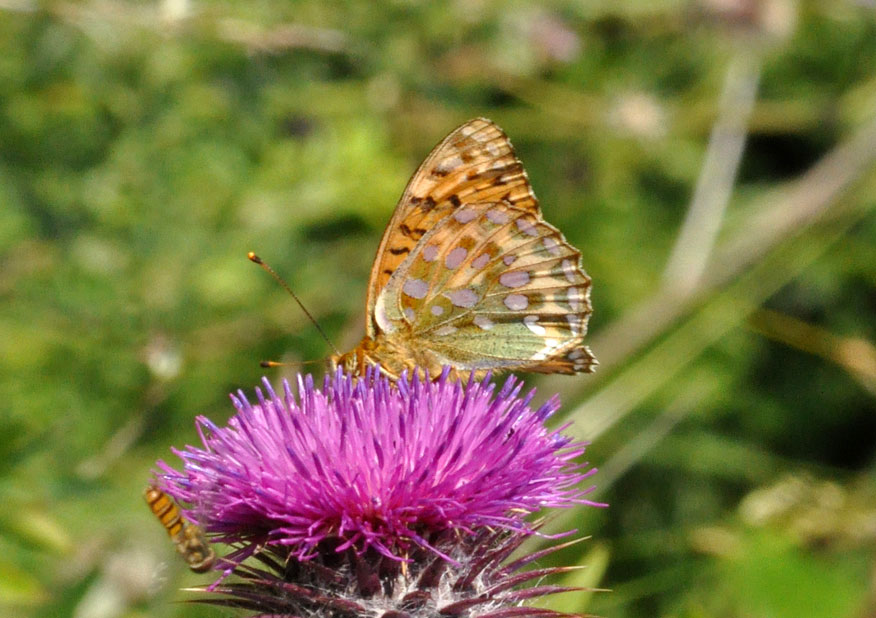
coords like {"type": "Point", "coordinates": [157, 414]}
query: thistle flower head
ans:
{"type": "Point", "coordinates": [367, 488]}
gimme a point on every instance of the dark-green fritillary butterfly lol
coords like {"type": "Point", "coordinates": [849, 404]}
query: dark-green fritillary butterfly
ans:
{"type": "Point", "coordinates": [469, 274]}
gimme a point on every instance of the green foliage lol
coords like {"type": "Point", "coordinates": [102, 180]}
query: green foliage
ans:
{"type": "Point", "coordinates": [146, 147]}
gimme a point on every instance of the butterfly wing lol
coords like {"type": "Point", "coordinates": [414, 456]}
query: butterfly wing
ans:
{"type": "Point", "coordinates": [474, 164]}
{"type": "Point", "coordinates": [492, 286]}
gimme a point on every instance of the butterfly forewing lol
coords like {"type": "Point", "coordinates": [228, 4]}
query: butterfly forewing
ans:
{"type": "Point", "coordinates": [474, 164]}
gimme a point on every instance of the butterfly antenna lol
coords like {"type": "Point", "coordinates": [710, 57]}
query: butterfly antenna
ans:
{"type": "Point", "coordinates": [254, 258]}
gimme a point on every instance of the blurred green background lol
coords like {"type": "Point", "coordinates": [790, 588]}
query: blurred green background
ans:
{"type": "Point", "coordinates": [714, 160]}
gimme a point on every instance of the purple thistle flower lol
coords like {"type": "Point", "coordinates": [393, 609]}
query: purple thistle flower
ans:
{"type": "Point", "coordinates": [413, 493]}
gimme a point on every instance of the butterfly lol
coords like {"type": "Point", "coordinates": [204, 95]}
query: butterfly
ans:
{"type": "Point", "coordinates": [469, 274]}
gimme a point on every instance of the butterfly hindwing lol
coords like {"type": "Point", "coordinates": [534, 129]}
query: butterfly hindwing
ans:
{"type": "Point", "coordinates": [493, 286]}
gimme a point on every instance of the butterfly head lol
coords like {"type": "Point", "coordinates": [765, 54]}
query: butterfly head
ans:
{"type": "Point", "coordinates": [389, 359]}
{"type": "Point", "coordinates": [356, 360]}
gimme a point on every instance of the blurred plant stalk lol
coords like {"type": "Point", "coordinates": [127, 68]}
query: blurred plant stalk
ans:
{"type": "Point", "coordinates": [689, 258]}
{"type": "Point", "coordinates": [854, 354]}
{"type": "Point", "coordinates": [777, 245]}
